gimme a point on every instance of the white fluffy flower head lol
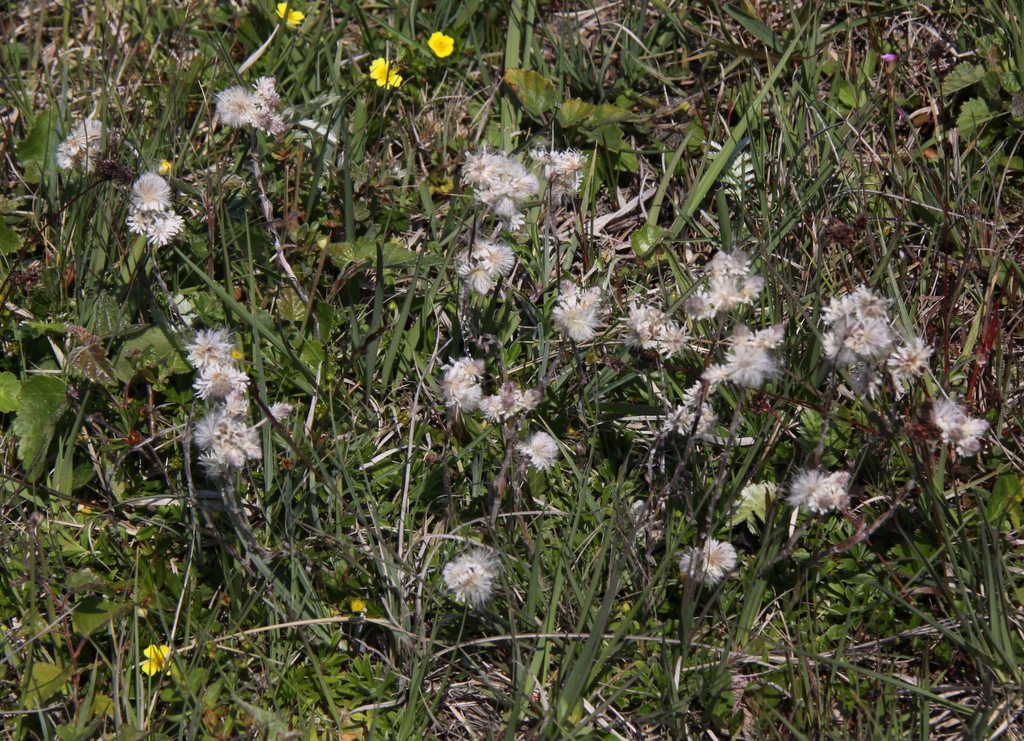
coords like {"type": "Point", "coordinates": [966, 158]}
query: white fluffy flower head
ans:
{"type": "Point", "coordinates": [819, 491]}
{"type": "Point", "coordinates": [858, 327]}
{"type": "Point", "coordinates": [709, 564]}
{"type": "Point", "coordinates": [226, 441]}
{"type": "Point", "coordinates": [731, 283]}
{"type": "Point", "coordinates": [748, 363]}
{"type": "Point", "coordinates": [487, 261]}
{"type": "Point", "coordinates": [652, 329]}
{"type": "Point", "coordinates": [82, 146]}
{"type": "Point", "coordinates": [471, 576]}
{"type": "Point", "coordinates": [501, 183]}
{"type": "Point", "coordinates": [578, 312]}
{"type": "Point", "coordinates": [218, 381]}
{"type": "Point", "coordinates": [151, 193]}
{"type": "Point", "coordinates": [541, 450]}
{"type": "Point", "coordinates": [211, 347]}
{"type": "Point", "coordinates": [461, 384]}
{"type": "Point", "coordinates": [957, 428]}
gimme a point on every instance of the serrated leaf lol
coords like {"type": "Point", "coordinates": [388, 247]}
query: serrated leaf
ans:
{"type": "Point", "coordinates": [10, 240]}
{"type": "Point", "coordinates": [1011, 82]}
{"type": "Point", "coordinates": [45, 680]}
{"type": "Point", "coordinates": [974, 114]}
{"type": "Point", "coordinates": [90, 360]}
{"type": "Point", "coordinates": [573, 111]}
{"type": "Point", "coordinates": [107, 317]}
{"type": "Point", "coordinates": [290, 307]}
{"type": "Point", "coordinates": [536, 92]}
{"type": "Point", "coordinates": [10, 386]}
{"type": "Point", "coordinates": [963, 76]}
{"type": "Point", "coordinates": [93, 612]}
{"type": "Point", "coordinates": [752, 504]}
{"type": "Point", "coordinates": [42, 401]}
{"type": "Point", "coordinates": [645, 238]}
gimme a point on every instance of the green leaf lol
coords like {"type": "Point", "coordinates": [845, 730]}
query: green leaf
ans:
{"type": "Point", "coordinates": [9, 388]}
{"type": "Point", "coordinates": [364, 249]}
{"type": "Point", "coordinates": [607, 114]}
{"type": "Point", "coordinates": [38, 329]}
{"type": "Point", "coordinates": [963, 76]}
{"type": "Point", "coordinates": [45, 680]}
{"type": "Point", "coordinates": [90, 361]}
{"type": "Point", "coordinates": [752, 504]}
{"type": "Point", "coordinates": [42, 401]}
{"type": "Point", "coordinates": [645, 238]}
{"type": "Point", "coordinates": [93, 612]}
{"type": "Point", "coordinates": [974, 114]}
{"type": "Point", "coordinates": [535, 92]}
{"type": "Point", "coordinates": [756, 27]}
{"type": "Point", "coordinates": [157, 346]}
{"type": "Point", "coordinates": [573, 111]}
{"type": "Point", "coordinates": [290, 307]}
{"type": "Point", "coordinates": [107, 316]}
{"type": "Point", "coordinates": [10, 240]}
{"type": "Point", "coordinates": [37, 151]}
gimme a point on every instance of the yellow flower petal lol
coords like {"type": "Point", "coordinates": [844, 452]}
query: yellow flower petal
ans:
{"type": "Point", "coordinates": [292, 17]}
{"type": "Point", "coordinates": [440, 44]}
{"type": "Point", "coordinates": [156, 659]}
{"type": "Point", "coordinates": [385, 74]}
{"type": "Point", "coordinates": [164, 168]}
{"type": "Point", "coordinates": [357, 605]}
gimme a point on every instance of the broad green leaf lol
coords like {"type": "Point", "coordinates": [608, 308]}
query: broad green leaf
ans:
{"type": "Point", "coordinates": [37, 152]}
{"type": "Point", "coordinates": [102, 704]}
{"type": "Point", "coordinates": [9, 388]}
{"type": "Point", "coordinates": [38, 329]}
{"type": "Point", "coordinates": [536, 92]}
{"type": "Point", "coordinates": [42, 401]}
{"type": "Point", "coordinates": [107, 316]}
{"type": "Point", "coordinates": [93, 612]}
{"type": "Point", "coordinates": [157, 346]}
{"type": "Point", "coordinates": [607, 114]}
{"type": "Point", "coordinates": [645, 238]}
{"type": "Point", "coordinates": [45, 680]}
{"type": "Point", "coordinates": [10, 240]}
{"type": "Point", "coordinates": [974, 114]}
{"type": "Point", "coordinates": [963, 76]}
{"type": "Point", "coordinates": [290, 307]}
{"type": "Point", "coordinates": [364, 249]}
{"type": "Point", "coordinates": [573, 111]}
{"type": "Point", "coordinates": [752, 504]}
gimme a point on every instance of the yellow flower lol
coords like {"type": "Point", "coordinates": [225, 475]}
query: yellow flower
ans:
{"type": "Point", "coordinates": [156, 659]}
{"type": "Point", "coordinates": [440, 44]}
{"type": "Point", "coordinates": [292, 17]}
{"type": "Point", "coordinates": [164, 168]}
{"type": "Point", "coordinates": [357, 605]}
{"type": "Point", "coordinates": [385, 74]}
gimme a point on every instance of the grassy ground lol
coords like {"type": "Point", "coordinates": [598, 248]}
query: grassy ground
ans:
{"type": "Point", "coordinates": [303, 596]}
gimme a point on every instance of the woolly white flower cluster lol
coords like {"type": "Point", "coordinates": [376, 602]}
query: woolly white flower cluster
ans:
{"type": "Point", "coordinates": [860, 333]}
{"type": "Point", "coordinates": [541, 450]}
{"type": "Point", "coordinates": [562, 170]}
{"type": "Point", "coordinates": [653, 329]}
{"type": "Point", "coordinates": [681, 418]}
{"type": "Point", "coordinates": [471, 576]}
{"type": "Point", "coordinates": [820, 492]}
{"type": "Point", "coordinates": [238, 107]}
{"type": "Point", "coordinates": [578, 312]}
{"type": "Point", "coordinates": [82, 146]}
{"type": "Point", "coordinates": [709, 564]}
{"type": "Point", "coordinates": [858, 327]}
{"type": "Point", "coordinates": [957, 428]}
{"type": "Point", "coordinates": [150, 212]}
{"type": "Point", "coordinates": [486, 262]}
{"type": "Point", "coordinates": [461, 384]}
{"type": "Point", "coordinates": [501, 183]}
{"type": "Point", "coordinates": [462, 387]}
{"type": "Point", "coordinates": [224, 435]}
{"type": "Point", "coordinates": [509, 402]}
{"type": "Point", "coordinates": [748, 363]}
{"type": "Point", "coordinates": [730, 284]}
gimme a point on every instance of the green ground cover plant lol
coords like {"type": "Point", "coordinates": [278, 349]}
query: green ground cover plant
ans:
{"type": "Point", "coordinates": [626, 370]}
